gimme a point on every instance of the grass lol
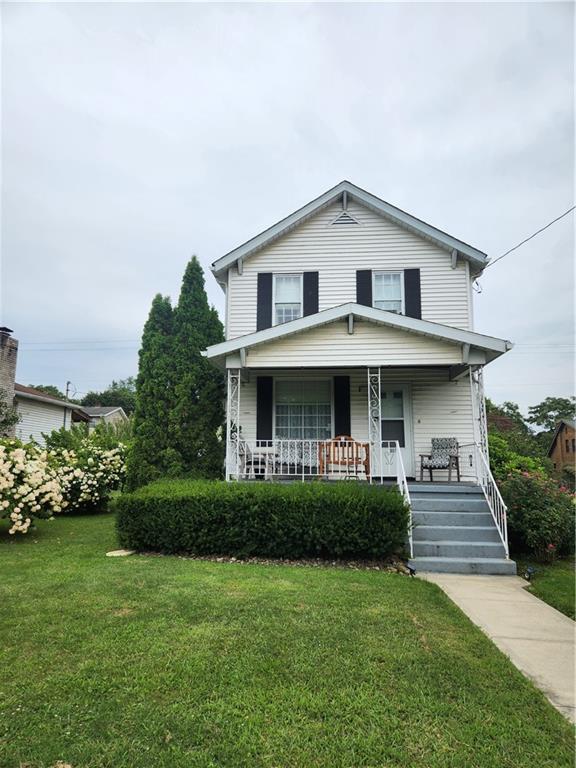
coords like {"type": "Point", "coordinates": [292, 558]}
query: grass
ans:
{"type": "Point", "coordinates": [144, 662]}
{"type": "Point", "coordinates": [554, 583]}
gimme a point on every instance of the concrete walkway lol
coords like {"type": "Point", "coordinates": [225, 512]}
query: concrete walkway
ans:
{"type": "Point", "coordinates": [537, 638]}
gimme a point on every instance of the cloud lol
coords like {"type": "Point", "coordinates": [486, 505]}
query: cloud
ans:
{"type": "Point", "coordinates": [137, 134]}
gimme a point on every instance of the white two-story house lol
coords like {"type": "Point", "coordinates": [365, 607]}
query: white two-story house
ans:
{"type": "Point", "coordinates": [350, 347]}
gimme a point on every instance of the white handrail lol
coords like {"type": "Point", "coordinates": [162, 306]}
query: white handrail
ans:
{"type": "Point", "coordinates": [402, 483]}
{"type": "Point", "coordinates": [492, 494]}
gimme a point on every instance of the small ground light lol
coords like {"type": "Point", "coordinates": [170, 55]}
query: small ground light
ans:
{"type": "Point", "coordinates": [412, 570]}
{"type": "Point", "coordinates": [530, 571]}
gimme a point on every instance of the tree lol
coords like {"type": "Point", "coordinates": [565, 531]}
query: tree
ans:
{"type": "Point", "coordinates": [550, 411]}
{"type": "Point", "coordinates": [50, 390]}
{"type": "Point", "coordinates": [120, 393]}
{"type": "Point", "coordinates": [8, 416]}
{"type": "Point", "coordinates": [198, 413]}
{"type": "Point", "coordinates": [152, 456]}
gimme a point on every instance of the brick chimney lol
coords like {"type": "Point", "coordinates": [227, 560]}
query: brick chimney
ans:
{"type": "Point", "coordinates": [8, 357]}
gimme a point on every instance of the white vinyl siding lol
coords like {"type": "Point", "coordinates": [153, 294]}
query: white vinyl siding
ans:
{"type": "Point", "coordinates": [36, 418]}
{"type": "Point", "coordinates": [337, 252]}
{"type": "Point", "coordinates": [370, 344]}
{"type": "Point", "coordinates": [440, 407]}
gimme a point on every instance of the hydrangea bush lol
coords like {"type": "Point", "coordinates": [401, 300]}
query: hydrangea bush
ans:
{"type": "Point", "coordinates": [39, 483]}
{"type": "Point", "coordinates": [29, 485]}
{"type": "Point", "coordinates": [88, 475]}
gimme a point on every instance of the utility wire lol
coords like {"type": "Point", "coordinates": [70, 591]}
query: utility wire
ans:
{"type": "Point", "coordinates": [531, 236]}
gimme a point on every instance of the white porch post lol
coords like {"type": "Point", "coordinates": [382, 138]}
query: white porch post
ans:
{"type": "Point", "coordinates": [233, 425]}
{"type": "Point", "coordinates": [375, 418]}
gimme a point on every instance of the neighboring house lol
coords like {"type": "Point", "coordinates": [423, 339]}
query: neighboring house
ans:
{"type": "Point", "coordinates": [40, 413]}
{"type": "Point", "coordinates": [104, 414]}
{"type": "Point", "coordinates": [562, 450]}
{"type": "Point", "coordinates": [352, 319]}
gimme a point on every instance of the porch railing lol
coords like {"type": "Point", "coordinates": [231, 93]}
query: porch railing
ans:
{"type": "Point", "coordinates": [474, 465]}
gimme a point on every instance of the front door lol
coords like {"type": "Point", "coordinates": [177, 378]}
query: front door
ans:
{"type": "Point", "coordinates": [397, 425]}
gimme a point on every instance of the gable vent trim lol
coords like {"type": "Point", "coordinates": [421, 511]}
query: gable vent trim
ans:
{"type": "Point", "coordinates": [344, 220]}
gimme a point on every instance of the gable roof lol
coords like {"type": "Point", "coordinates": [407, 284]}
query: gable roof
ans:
{"type": "Point", "coordinates": [103, 410]}
{"type": "Point", "coordinates": [348, 191]}
{"type": "Point", "coordinates": [562, 423]}
{"type": "Point", "coordinates": [492, 346]}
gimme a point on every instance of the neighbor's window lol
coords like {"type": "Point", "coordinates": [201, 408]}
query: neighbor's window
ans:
{"type": "Point", "coordinates": [287, 298]}
{"type": "Point", "coordinates": [388, 291]}
{"type": "Point", "coordinates": [567, 446]}
{"type": "Point", "coordinates": [303, 410]}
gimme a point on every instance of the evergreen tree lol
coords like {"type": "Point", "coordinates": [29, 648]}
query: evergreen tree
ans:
{"type": "Point", "coordinates": [198, 413]}
{"type": "Point", "coordinates": [152, 455]}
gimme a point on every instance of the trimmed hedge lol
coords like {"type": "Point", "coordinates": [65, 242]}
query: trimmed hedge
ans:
{"type": "Point", "coordinates": [341, 519]}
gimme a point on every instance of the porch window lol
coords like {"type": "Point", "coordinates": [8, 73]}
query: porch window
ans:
{"type": "Point", "coordinates": [303, 410]}
{"type": "Point", "coordinates": [287, 298]}
{"type": "Point", "coordinates": [388, 291]}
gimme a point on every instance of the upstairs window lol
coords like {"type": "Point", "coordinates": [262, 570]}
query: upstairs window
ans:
{"type": "Point", "coordinates": [287, 298]}
{"type": "Point", "coordinates": [388, 291]}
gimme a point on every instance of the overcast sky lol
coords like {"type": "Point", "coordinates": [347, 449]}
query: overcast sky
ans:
{"type": "Point", "coordinates": [135, 135]}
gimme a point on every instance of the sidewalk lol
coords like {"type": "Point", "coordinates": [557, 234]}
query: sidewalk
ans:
{"type": "Point", "coordinates": [537, 638]}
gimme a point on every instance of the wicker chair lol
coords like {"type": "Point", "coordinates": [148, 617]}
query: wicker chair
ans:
{"type": "Point", "coordinates": [444, 455]}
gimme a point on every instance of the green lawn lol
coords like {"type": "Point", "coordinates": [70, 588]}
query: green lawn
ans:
{"type": "Point", "coordinates": [554, 583]}
{"type": "Point", "coordinates": [151, 662]}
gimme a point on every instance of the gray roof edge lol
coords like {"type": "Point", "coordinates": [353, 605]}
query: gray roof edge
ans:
{"type": "Point", "coordinates": [48, 400]}
{"type": "Point", "coordinates": [477, 257]}
{"type": "Point", "coordinates": [402, 322]}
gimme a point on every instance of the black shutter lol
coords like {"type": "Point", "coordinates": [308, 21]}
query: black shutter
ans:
{"type": "Point", "coordinates": [264, 301]}
{"type": "Point", "coordinates": [412, 301]}
{"type": "Point", "coordinates": [341, 405]}
{"type": "Point", "coordinates": [364, 287]}
{"type": "Point", "coordinates": [310, 293]}
{"type": "Point", "coordinates": [264, 397]}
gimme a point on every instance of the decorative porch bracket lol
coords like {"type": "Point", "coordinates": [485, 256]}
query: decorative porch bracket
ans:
{"type": "Point", "coordinates": [479, 408]}
{"type": "Point", "coordinates": [375, 415]}
{"type": "Point", "coordinates": [233, 425]}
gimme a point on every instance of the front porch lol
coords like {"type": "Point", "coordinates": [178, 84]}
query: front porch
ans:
{"type": "Point", "coordinates": [366, 424]}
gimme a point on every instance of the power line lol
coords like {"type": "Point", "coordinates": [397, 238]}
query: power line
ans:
{"type": "Point", "coordinates": [531, 236]}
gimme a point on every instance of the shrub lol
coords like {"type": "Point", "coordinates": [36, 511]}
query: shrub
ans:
{"type": "Point", "coordinates": [503, 460]}
{"type": "Point", "coordinates": [88, 476]}
{"type": "Point", "coordinates": [29, 485]}
{"type": "Point", "coordinates": [274, 520]}
{"type": "Point", "coordinates": [540, 514]}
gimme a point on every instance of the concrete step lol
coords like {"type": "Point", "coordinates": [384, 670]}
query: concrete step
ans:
{"type": "Point", "coordinates": [452, 518]}
{"type": "Point", "coordinates": [485, 565]}
{"type": "Point", "coordinates": [455, 533]}
{"type": "Point", "coordinates": [459, 549]}
{"type": "Point", "coordinates": [444, 488]}
{"type": "Point", "coordinates": [449, 504]}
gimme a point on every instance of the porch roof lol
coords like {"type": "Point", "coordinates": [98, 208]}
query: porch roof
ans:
{"type": "Point", "coordinates": [490, 345]}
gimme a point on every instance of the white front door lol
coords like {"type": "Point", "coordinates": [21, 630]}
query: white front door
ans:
{"type": "Point", "coordinates": [397, 424]}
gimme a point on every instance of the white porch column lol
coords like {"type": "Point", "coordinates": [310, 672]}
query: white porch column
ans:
{"type": "Point", "coordinates": [375, 419]}
{"type": "Point", "coordinates": [233, 425]}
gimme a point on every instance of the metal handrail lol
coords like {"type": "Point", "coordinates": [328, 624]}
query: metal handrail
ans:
{"type": "Point", "coordinates": [402, 483]}
{"type": "Point", "coordinates": [493, 497]}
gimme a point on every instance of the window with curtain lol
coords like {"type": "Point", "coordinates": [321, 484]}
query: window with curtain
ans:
{"type": "Point", "coordinates": [287, 298]}
{"type": "Point", "coordinates": [387, 291]}
{"type": "Point", "coordinates": [303, 410]}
